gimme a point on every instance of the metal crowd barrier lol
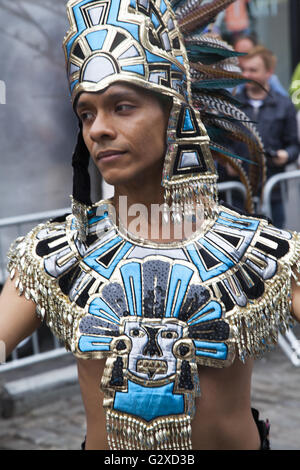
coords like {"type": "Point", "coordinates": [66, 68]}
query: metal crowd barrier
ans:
{"type": "Point", "coordinates": [20, 225]}
{"type": "Point", "coordinates": [228, 187]}
{"type": "Point", "coordinates": [280, 179]}
{"type": "Point", "coordinates": [10, 229]}
{"type": "Point", "coordinates": [289, 343]}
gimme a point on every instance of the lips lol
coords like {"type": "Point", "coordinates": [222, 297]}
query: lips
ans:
{"type": "Point", "coordinates": [109, 154]}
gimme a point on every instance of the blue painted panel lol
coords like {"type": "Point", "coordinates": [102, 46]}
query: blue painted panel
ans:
{"type": "Point", "coordinates": [155, 58]}
{"type": "Point", "coordinates": [149, 403]}
{"type": "Point", "coordinates": [99, 308]}
{"type": "Point", "coordinates": [205, 274]}
{"type": "Point", "coordinates": [242, 223]}
{"type": "Point", "coordinates": [213, 350]}
{"type": "Point", "coordinates": [163, 6]}
{"type": "Point", "coordinates": [106, 272]}
{"type": "Point", "coordinates": [88, 343]}
{"type": "Point", "coordinates": [96, 39]}
{"type": "Point", "coordinates": [188, 123]}
{"type": "Point", "coordinates": [134, 68]}
{"type": "Point", "coordinates": [211, 311]}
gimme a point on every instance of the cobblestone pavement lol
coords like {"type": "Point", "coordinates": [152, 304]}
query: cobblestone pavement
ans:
{"type": "Point", "coordinates": [60, 425]}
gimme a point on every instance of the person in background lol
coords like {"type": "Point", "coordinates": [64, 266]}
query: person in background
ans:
{"type": "Point", "coordinates": [236, 20]}
{"type": "Point", "coordinates": [244, 43]}
{"type": "Point", "coordinates": [275, 116]}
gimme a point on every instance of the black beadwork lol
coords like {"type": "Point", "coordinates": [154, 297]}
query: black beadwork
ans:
{"type": "Point", "coordinates": [117, 378]}
{"type": "Point", "coordinates": [185, 379]}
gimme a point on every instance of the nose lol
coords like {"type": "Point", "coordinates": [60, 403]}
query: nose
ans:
{"type": "Point", "coordinates": [102, 128]}
{"type": "Point", "coordinates": [152, 348]}
{"type": "Point", "coordinates": [246, 73]}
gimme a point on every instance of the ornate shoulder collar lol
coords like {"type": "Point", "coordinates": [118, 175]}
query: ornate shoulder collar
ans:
{"type": "Point", "coordinates": [158, 311]}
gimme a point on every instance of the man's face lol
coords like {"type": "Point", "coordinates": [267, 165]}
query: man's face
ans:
{"type": "Point", "coordinates": [254, 69]}
{"type": "Point", "coordinates": [124, 129]}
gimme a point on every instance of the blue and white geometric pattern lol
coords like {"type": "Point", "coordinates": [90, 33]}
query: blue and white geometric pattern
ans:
{"type": "Point", "coordinates": [136, 41]}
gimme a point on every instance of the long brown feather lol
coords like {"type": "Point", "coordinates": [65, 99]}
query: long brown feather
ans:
{"type": "Point", "coordinates": [215, 72]}
{"type": "Point", "coordinates": [194, 17]}
{"type": "Point", "coordinates": [257, 170]}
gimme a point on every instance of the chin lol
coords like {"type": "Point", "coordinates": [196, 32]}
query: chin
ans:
{"type": "Point", "coordinates": [131, 176]}
{"type": "Point", "coordinates": [116, 178]}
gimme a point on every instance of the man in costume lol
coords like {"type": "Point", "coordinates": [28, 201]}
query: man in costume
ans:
{"type": "Point", "coordinates": [170, 327]}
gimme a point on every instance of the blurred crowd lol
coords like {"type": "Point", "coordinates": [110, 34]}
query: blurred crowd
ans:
{"type": "Point", "coordinates": [265, 101]}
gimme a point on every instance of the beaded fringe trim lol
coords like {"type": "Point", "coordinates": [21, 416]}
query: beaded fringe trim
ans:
{"type": "Point", "coordinates": [80, 212]}
{"type": "Point", "coordinates": [256, 331]}
{"type": "Point", "coordinates": [32, 282]}
{"type": "Point", "coordinates": [185, 197]}
{"type": "Point", "coordinates": [126, 432]}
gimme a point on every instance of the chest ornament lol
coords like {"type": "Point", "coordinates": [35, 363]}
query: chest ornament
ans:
{"type": "Point", "coordinates": [156, 312]}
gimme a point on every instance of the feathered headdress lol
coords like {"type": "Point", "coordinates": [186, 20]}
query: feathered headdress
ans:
{"type": "Point", "coordinates": [214, 69]}
{"type": "Point", "coordinates": [165, 47]}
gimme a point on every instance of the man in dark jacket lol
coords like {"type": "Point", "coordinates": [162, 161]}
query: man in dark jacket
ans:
{"type": "Point", "coordinates": [275, 116]}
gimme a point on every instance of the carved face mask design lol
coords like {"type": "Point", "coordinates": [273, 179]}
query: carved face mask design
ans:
{"type": "Point", "coordinates": [152, 348]}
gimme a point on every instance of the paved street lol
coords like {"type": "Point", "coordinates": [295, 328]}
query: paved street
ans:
{"type": "Point", "coordinates": [60, 423]}
{"type": "Point", "coordinates": [276, 393]}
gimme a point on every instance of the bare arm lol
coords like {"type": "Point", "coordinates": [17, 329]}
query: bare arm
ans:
{"type": "Point", "coordinates": [17, 317]}
{"type": "Point", "coordinates": [296, 297]}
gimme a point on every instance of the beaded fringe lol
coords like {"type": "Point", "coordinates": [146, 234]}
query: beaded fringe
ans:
{"type": "Point", "coordinates": [256, 331]}
{"type": "Point", "coordinates": [80, 212]}
{"type": "Point", "coordinates": [185, 197]}
{"type": "Point", "coordinates": [126, 432]}
{"type": "Point", "coordinates": [32, 282]}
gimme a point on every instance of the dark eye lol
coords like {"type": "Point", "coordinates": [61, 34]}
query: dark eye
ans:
{"type": "Point", "coordinates": [86, 117]}
{"type": "Point", "coordinates": [169, 334]}
{"type": "Point", "coordinates": [136, 333]}
{"type": "Point", "coordinates": [124, 107]}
